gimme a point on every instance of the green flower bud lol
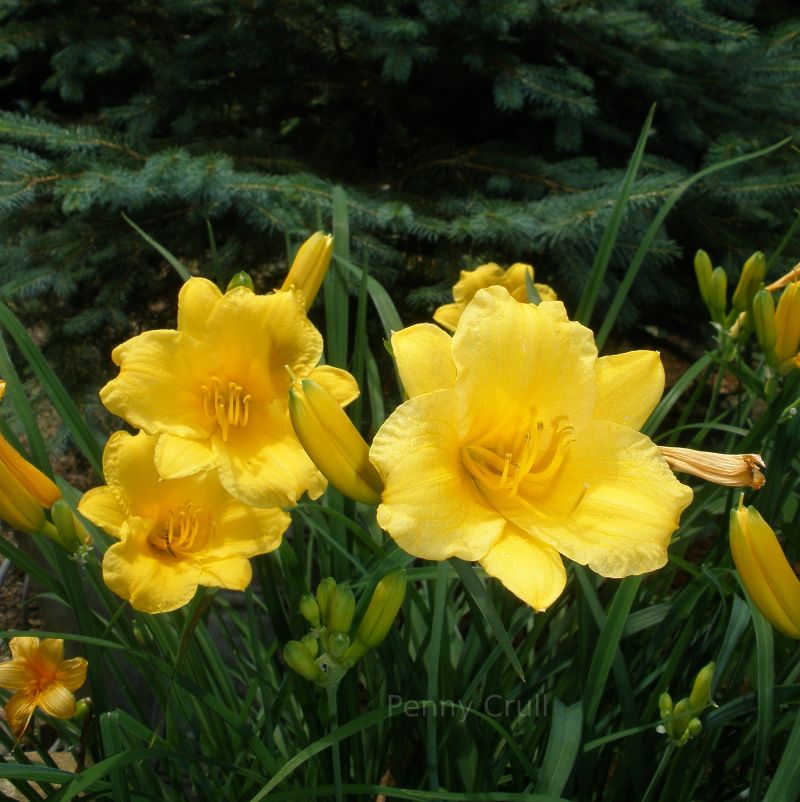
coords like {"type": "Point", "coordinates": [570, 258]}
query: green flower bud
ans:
{"type": "Point", "coordinates": [325, 590]}
{"type": "Point", "coordinates": [83, 709]}
{"type": "Point", "coordinates": [338, 643]}
{"type": "Point", "coordinates": [700, 697]}
{"type": "Point", "coordinates": [64, 522]}
{"type": "Point", "coordinates": [665, 705]}
{"type": "Point", "coordinates": [309, 609]}
{"type": "Point", "coordinates": [341, 608]}
{"type": "Point", "coordinates": [749, 281]}
{"type": "Point", "coordinates": [703, 269]}
{"type": "Point", "coordinates": [681, 715]}
{"type": "Point", "coordinates": [311, 644]}
{"type": "Point", "coordinates": [718, 294]}
{"type": "Point", "coordinates": [240, 279]}
{"type": "Point", "coordinates": [764, 320]}
{"type": "Point", "coordinates": [298, 658]}
{"type": "Point", "coordinates": [383, 607]}
{"type": "Point", "coordinates": [693, 729]}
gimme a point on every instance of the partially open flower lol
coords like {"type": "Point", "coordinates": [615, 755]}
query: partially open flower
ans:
{"type": "Point", "coordinates": [731, 470]}
{"type": "Point", "coordinates": [41, 678]}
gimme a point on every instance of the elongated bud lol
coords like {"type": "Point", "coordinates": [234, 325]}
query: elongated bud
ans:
{"type": "Point", "coordinates": [309, 609]}
{"type": "Point", "coordinates": [765, 571]}
{"type": "Point", "coordinates": [749, 281]}
{"type": "Point", "coordinates": [332, 442]}
{"type": "Point", "coordinates": [325, 591]}
{"type": "Point", "coordinates": [71, 532]}
{"type": "Point", "coordinates": [341, 609]}
{"type": "Point", "coordinates": [338, 643]}
{"type": "Point", "coordinates": [700, 697]}
{"type": "Point", "coordinates": [309, 266]}
{"type": "Point", "coordinates": [382, 610]}
{"type": "Point", "coordinates": [718, 294]}
{"type": "Point", "coordinates": [681, 716]}
{"type": "Point", "coordinates": [703, 270]}
{"type": "Point", "coordinates": [240, 279]}
{"type": "Point", "coordinates": [787, 325]}
{"type": "Point", "coordinates": [665, 705]}
{"type": "Point", "coordinates": [298, 659]}
{"type": "Point", "coordinates": [730, 470]}
{"type": "Point", "coordinates": [764, 321]}
{"type": "Point", "coordinates": [310, 644]}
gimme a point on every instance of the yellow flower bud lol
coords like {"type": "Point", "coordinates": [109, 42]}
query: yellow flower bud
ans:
{"type": "Point", "coordinates": [703, 270]}
{"type": "Point", "coordinates": [764, 320]}
{"type": "Point", "coordinates": [765, 571]}
{"type": "Point", "coordinates": [341, 608]}
{"type": "Point", "coordinates": [309, 266]}
{"type": "Point", "coordinates": [240, 279]}
{"type": "Point", "coordinates": [700, 697]}
{"type": "Point", "coordinates": [749, 281]}
{"type": "Point", "coordinates": [787, 326]}
{"type": "Point", "coordinates": [332, 442]}
{"type": "Point", "coordinates": [299, 659]}
{"type": "Point", "coordinates": [382, 610]}
{"type": "Point", "coordinates": [325, 591]}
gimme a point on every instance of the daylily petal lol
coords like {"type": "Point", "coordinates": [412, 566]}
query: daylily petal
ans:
{"type": "Point", "coordinates": [422, 354]}
{"type": "Point", "coordinates": [613, 505]}
{"type": "Point", "coordinates": [339, 383]}
{"type": "Point", "coordinates": [508, 369]}
{"type": "Point", "coordinates": [129, 469]}
{"type": "Point", "coordinates": [196, 302]}
{"type": "Point", "coordinates": [57, 701]}
{"type": "Point", "coordinates": [72, 673]}
{"type": "Point", "coordinates": [52, 649]}
{"type": "Point", "coordinates": [233, 573]}
{"type": "Point", "coordinates": [264, 464]}
{"type": "Point", "coordinates": [19, 709]}
{"type": "Point", "coordinates": [101, 507]}
{"type": "Point", "coordinates": [14, 675]}
{"type": "Point", "coordinates": [629, 386]}
{"type": "Point", "coordinates": [448, 316]}
{"type": "Point", "coordinates": [241, 530]}
{"type": "Point", "coordinates": [153, 580]}
{"type": "Point", "coordinates": [159, 387]}
{"type": "Point", "coordinates": [470, 281]}
{"type": "Point", "coordinates": [177, 457]}
{"type": "Point", "coordinates": [431, 506]}
{"type": "Point", "coordinates": [529, 568]}
{"type": "Point", "coordinates": [23, 648]}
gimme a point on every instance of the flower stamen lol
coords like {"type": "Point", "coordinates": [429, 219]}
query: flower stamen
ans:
{"type": "Point", "coordinates": [228, 409]}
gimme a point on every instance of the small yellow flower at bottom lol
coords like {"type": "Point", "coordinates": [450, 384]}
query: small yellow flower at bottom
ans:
{"type": "Point", "coordinates": [174, 534]}
{"type": "Point", "coordinates": [765, 571]}
{"type": "Point", "coordinates": [41, 678]}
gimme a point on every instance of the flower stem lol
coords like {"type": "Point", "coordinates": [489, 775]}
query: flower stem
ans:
{"type": "Point", "coordinates": [333, 713]}
{"type": "Point", "coordinates": [654, 782]}
{"type": "Point", "coordinates": [434, 653]}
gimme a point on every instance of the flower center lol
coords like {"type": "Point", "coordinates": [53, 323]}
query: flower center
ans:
{"type": "Point", "coordinates": [178, 532]}
{"type": "Point", "coordinates": [231, 408]}
{"type": "Point", "coordinates": [522, 461]}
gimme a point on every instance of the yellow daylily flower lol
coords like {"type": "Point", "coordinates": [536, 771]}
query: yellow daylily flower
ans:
{"type": "Point", "coordinates": [41, 678]}
{"type": "Point", "coordinates": [517, 442]}
{"type": "Point", "coordinates": [173, 534]}
{"type": "Point", "coordinates": [215, 391]}
{"type": "Point", "coordinates": [489, 275]}
{"type": "Point", "coordinates": [310, 266]}
{"type": "Point", "coordinates": [764, 570]}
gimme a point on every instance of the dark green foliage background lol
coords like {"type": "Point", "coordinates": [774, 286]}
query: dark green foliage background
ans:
{"type": "Point", "coordinates": [462, 132]}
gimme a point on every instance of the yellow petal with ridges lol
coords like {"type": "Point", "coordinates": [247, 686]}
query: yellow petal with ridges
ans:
{"type": "Point", "coordinates": [530, 569]}
{"type": "Point", "coordinates": [629, 386]}
{"type": "Point", "coordinates": [422, 354]}
{"type": "Point", "coordinates": [159, 386]}
{"type": "Point", "coordinates": [613, 505]}
{"type": "Point", "coordinates": [23, 647]}
{"type": "Point", "coordinates": [528, 360]}
{"type": "Point", "coordinates": [233, 573]}
{"type": "Point", "coordinates": [72, 673]}
{"type": "Point", "coordinates": [196, 302]}
{"type": "Point", "coordinates": [431, 506]}
{"type": "Point", "coordinates": [14, 675]}
{"type": "Point", "coordinates": [470, 281]}
{"type": "Point", "coordinates": [55, 700]}
{"type": "Point", "coordinates": [52, 649]}
{"type": "Point", "coordinates": [339, 383]}
{"type": "Point", "coordinates": [19, 710]}
{"type": "Point", "coordinates": [177, 457]}
{"type": "Point", "coordinates": [103, 509]}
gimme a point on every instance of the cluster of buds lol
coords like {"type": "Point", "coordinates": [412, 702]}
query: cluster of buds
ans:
{"type": "Point", "coordinates": [26, 494]}
{"type": "Point", "coordinates": [764, 570]}
{"type": "Point", "coordinates": [680, 721]}
{"type": "Point", "coordinates": [332, 442]}
{"type": "Point", "coordinates": [325, 654]}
